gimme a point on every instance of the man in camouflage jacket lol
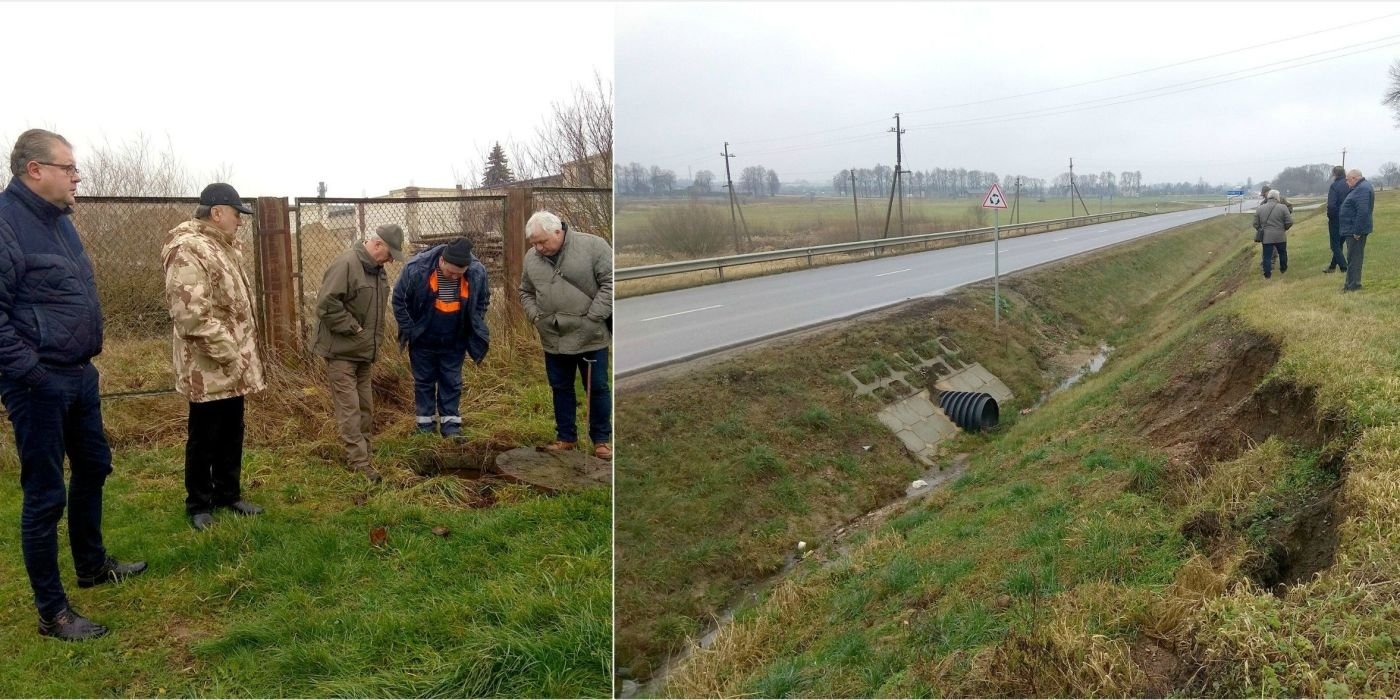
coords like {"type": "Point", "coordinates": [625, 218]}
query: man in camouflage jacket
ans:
{"type": "Point", "coordinates": [215, 348]}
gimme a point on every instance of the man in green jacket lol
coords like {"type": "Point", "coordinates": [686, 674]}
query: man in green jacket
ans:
{"type": "Point", "coordinates": [566, 289]}
{"type": "Point", "coordinates": [350, 307]}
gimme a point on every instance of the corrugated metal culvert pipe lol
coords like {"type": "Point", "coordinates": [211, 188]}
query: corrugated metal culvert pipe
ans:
{"type": "Point", "coordinates": [970, 410]}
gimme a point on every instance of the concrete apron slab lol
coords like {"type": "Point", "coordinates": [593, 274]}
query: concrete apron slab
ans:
{"type": "Point", "coordinates": [916, 418]}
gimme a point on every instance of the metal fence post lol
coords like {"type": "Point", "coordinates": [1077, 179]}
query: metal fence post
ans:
{"type": "Point", "coordinates": [520, 204]}
{"type": "Point", "coordinates": [275, 259]}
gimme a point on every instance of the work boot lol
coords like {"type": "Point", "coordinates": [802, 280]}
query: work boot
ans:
{"type": "Point", "coordinates": [69, 626]}
{"type": "Point", "coordinates": [111, 571]}
{"type": "Point", "coordinates": [426, 428]}
{"type": "Point", "coordinates": [245, 507]}
{"type": "Point", "coordinates": [202, 521]}
{"type": "Point", "coordinates": [451, 430]}
{"type": "Point", "coordinates": [558, 446]}
{"type": "Point", "coordinates": [369, 472]}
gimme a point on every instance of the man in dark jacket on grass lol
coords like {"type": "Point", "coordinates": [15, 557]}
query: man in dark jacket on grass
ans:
{"type": "Point", "coordinates": [350, 306]}
{"type": "Point", "coordinates": [1335, 194]}
{"type": "Point", "coordinates": [1355, 224]}
{"type": "Point", "coordinates": [440, 304]}
{"type": "Point", "coordinates": [50, 329]}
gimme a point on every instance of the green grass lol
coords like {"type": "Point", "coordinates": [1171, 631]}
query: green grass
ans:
{"type": "Point", "coordinates": [761, 452]}
{"type": "Point", "coordinates": [514, 602]}
{"type": "Point", "coordinates": [1069, 528]}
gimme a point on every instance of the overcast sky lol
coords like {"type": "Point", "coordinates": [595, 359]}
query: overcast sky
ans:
{"type": "Point", "coordinates": [365, 96]}
{"type": "Point", "coordinates": [808, 89]}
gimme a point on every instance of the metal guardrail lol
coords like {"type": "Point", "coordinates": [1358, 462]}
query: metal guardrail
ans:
{"type": "Point", "coordinates": [878, 245]}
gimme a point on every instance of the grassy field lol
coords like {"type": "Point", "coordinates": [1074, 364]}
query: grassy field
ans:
{"type": "Point", "coordinates": [787, 222]}
{"type": "Point", "coordinates": [514, 601]}
{"type": "Point", "coordinates": [1212, 515]}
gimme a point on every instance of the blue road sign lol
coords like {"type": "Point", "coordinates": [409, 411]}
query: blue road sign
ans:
{"type": "Point", "coordinates": [1235, 193]}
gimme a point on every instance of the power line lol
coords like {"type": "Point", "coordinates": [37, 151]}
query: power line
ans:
{"type": "Point", "coordinates": [1152, 70]}
{"type": "Point", "coordinates": [1141, 95]}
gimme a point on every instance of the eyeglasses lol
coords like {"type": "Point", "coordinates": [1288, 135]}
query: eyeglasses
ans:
{"type": "Point", "coordinates": [70, 168]}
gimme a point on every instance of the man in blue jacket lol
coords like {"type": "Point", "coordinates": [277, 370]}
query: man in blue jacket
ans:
{"type": "Point", "coordinates": [1335, 194]}
{"type": "Point", "coordinates": [1355, 224]}
{"type": "Point", "coordinates": [440, 304]}
{"type": "Point", "coordinates": [50, 329]}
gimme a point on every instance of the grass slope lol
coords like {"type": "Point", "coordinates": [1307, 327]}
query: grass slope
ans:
{"type": "Point", "coordinates": [1214, 514]}
{"type": "Point", "coordinates": [729, 467]}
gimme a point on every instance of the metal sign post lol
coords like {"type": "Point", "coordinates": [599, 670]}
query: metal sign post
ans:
{"type": "Point", "coordinates": [996, 202]}
{"type": "Point", "coordinates": [996, 264]}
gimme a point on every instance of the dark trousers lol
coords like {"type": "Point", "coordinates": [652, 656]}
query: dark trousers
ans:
{"type": "Point", "coordinates": [437, 386]}
{"type": "Point", "coordinates": [1334, 237]}
{"type": "Point", "coordinates": [593, 368]}
{"type": "Point", "coordinates": [61, 416]}
{"type": "Point", "coordinates": [1356, 254]}
{"type": "Point", "coordinates": [1268, 262]}
{"type": "Point", "coordinates": [213, 454]}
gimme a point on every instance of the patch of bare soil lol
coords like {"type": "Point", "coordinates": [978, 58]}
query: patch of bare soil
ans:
{"type": "Point", "coordinates": [1298, 545]}
{"type": "Point", "coordinates": [1218, 409]}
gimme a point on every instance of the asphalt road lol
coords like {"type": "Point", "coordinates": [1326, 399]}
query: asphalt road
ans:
{"type": "Point", "coordinates": [659, 329]}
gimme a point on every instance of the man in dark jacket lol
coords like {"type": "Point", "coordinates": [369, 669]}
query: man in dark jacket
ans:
{"type": "Point", "coordinates": [350, 307]}
{"type": "Point", "coordinates": [440, 304]}
{"type": "Point", "coordinates": [50, 329]}
{"type": "Point", "coordinates": [1355, 224]}
{"type": "Point", "coordinates": [1335, 194]}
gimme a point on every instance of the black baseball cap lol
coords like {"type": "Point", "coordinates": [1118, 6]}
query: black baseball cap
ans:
{"type": "Point", "coordinates": [222, 193]}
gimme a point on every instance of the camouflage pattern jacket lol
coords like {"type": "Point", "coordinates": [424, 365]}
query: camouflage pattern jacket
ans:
{"type": "Point", "coordinates": [210, 301]}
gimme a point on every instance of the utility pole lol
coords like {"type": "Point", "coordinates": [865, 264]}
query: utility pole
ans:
{"type": "Point", "coordinates": [1016, 203]}
{"type": "Point", "coordinates": [898, 165]}
{"type": "Point", "coordinates": [855, 202]}
{"type": "Point", "coordinates": [729, 184]}
{"type": "Point", "coordinates": [1074, 192]}
{"type": "Point", "coordinates": [1344, 157]}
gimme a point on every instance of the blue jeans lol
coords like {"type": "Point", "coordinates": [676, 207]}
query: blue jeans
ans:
{"type": "Point", "coordinates": [593, 367]}
{"type": "Point", "coordinates": [437, 386]}
{"type": "Point", "coordinates": [1268, 262]}
{"type": "Point", "coordinates": [61, 416]}
{"type": "Point", "coordinates": [1334, 238]}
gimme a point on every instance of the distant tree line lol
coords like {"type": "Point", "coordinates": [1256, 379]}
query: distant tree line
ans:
{"type": "Point", "coordinates": [639, 180]}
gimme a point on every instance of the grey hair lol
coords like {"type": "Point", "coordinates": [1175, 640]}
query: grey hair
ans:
{"type": "Point", "coordinates": [35, 144]}
{"type": "Point", "coordinates": [1354, 173]}
{"type": "Point", "coordinates": [542, 222]}
{"type": "Point", "coordinates": [1273, 194]}
{"type": "Point", "coordinates": [203, 211]}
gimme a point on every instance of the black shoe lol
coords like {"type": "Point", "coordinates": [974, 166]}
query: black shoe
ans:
{"type": "Point", "coordinates": [111, 572]}
{"type": "Point", "coordinates": [1342, 268]}
{"type": "Point", "coordinates": [245, 508]}
{"type": "Point", "coordinates": [69, 626]}
{"type": "Point", "coordinates": [202, 521]}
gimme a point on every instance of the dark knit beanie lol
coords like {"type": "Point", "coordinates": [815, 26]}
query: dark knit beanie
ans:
{"type": "Point", "coordinates": [458, 252]}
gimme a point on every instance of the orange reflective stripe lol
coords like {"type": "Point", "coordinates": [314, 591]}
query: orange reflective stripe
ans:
{"type": "Point", "coordinates": [447, 307]}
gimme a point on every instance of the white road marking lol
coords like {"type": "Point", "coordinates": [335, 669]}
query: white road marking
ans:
{"type": "Point", "coordinates": [883, 274]}
{"type": "Point", "coordinates": [680, 313]}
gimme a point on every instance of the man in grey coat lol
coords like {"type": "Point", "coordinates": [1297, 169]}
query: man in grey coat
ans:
{"type": "Point", "coordinates": [566, 289]}
{"type": "Point", "coordinates": [1356, 223]}
{"type": "Point", "coordinates": [1271, 222]}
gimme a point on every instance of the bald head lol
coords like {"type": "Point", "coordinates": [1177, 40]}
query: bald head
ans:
{"type": "Point", "coordinates": [1353, 177]}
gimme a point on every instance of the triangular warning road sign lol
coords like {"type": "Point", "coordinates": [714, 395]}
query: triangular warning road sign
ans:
{"type": "Point", "coordinates": [994, 200]}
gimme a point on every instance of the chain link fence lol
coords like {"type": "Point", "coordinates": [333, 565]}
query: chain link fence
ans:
{"type": "Point", "coordinates": [325, 228]}
{"type": "Point", "coordinates": [123, 237]}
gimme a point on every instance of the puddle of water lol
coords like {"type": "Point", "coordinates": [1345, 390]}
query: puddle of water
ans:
{"type": "Point", "coordinates": [1092, 366]}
